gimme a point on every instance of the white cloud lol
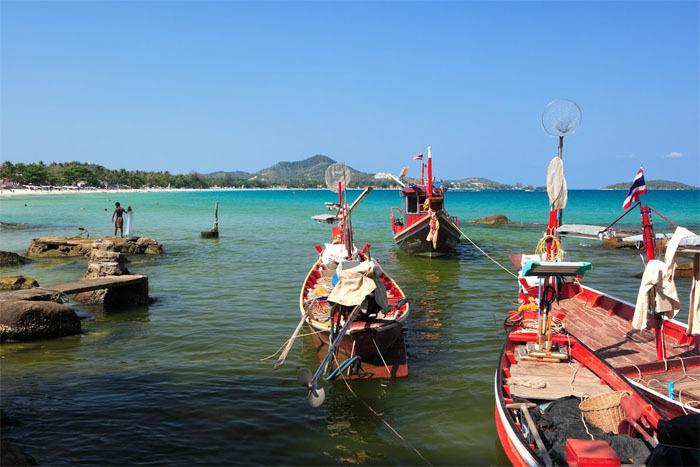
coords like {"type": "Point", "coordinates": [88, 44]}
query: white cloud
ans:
{"type": "Point", "coordinates": [627, 156]}
{"type": "Point", "coordinates": [673, 155]}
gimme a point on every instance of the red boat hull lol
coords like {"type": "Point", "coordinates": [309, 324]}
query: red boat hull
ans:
{"type": "Point", "coordinates": [413, 238]}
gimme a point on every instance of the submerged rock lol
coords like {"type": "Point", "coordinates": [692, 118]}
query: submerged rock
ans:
{"type": "Point", "coordinates": [17, 282]}
{"type": "Point", "coordinates": [12, 455]}
{"type": "Point", "coordinates": [7, 258]}
{"type": "Point", "coordinates": [27, 320]}
{"type": "Point", "coordinates": [496, 219]}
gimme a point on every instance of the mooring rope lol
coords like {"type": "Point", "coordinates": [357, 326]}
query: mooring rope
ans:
{"type": "Point", "coordinates": [381, 356]}
{"type": "Point", "coordinates": [378, 415]}
{"type": "Point", "coordinates": [285, 343]}
{"type": "Point", "coordinates": [486, 254]}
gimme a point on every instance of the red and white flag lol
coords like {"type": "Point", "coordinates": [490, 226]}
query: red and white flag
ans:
{"type": "Point", "coordinates": [638, 188]}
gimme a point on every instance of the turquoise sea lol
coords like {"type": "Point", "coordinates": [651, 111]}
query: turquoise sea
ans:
{"type": "Point", "coordinates": [184, 380]}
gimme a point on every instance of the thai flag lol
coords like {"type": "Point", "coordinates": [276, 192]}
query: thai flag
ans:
{"type": "Point", "coordinates": [638, 188]}
{"type": "Point", "coordinates": [418, 157]}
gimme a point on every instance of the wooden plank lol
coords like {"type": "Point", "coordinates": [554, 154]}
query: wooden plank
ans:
{"type": "Point", "coordinates": [74, 287]}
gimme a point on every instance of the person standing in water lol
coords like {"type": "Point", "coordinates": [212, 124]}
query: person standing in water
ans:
{"type": "Point", "coordinates": [119, 224]}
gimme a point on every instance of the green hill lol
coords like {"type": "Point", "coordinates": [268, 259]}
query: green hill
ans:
{"type": "Point", "coordinates": [653, 185]}
{"type": "Point", "coordinates": [310, 171]}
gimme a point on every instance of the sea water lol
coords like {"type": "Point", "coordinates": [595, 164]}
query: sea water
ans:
{"type": "Point", "coordinates": [187, 380]}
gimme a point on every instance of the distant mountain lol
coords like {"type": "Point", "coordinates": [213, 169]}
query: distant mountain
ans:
{"type": "Point", "coordinates": [312, 169]}
{"type": "Point", "coordinates": [653, 185]}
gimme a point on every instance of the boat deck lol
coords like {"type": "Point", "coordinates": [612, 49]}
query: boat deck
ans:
{"type": "Point", "coordinates": [561, 380]}
{"type": "Point", "coordinates": [631, 351]}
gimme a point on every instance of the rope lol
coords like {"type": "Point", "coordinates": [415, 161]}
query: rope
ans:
{"type": "Point", "coordinates": [486, 254]}
{"type": "Point", "coordinates": [285, 343]}
{"type": "Point", "coordinates": [381, 356]}
{"type": "Point", "coordinates": [398, 435]}
{"type": "Point", "coordinates": [542, 247]}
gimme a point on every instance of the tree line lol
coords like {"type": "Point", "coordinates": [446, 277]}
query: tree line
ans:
{"type": "Point", "coordinates": [94, 175]}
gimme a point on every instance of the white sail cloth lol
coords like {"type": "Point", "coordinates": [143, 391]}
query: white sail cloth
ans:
{"type": "Point", "coordinates": [556, 184]}
{"type": "Point", "coordinates": [356, 283]}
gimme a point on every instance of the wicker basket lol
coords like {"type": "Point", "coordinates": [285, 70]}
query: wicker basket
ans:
{"type": "Point", "coordinates": [604, 410]}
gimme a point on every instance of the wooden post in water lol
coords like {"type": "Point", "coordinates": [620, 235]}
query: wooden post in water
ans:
{"type": "Point", "coordinates": [214, 232]}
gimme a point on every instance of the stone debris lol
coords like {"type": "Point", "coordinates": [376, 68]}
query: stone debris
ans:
{"type": "Point", "coordinates": [7, 258]}
{"type": "Point", "coordinates": [56, 247]}
{"type": "Point", "coordinates": [17, 282]}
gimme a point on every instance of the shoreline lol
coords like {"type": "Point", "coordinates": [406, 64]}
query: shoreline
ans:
{"type": "Point", "coordinates": [25, 192]}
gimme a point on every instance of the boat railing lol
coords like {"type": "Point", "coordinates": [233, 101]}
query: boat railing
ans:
{"type": "Point", "coordinates": [397, 220]}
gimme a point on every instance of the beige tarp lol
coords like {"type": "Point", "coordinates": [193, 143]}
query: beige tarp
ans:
{"type": "Point", "coordinates": [556, 184]}
{"type": "Point", "coordinates": [356, 283]}
{"type": "Point", "coordinates": [659, 285]}
{"type": "Point", "coordinates": [670, 259]}
{"type": "Point", "coordinates": [694, 310]}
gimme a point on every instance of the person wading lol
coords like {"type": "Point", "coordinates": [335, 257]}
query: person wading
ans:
{"type": "Point", "coordinates": [119, 212]}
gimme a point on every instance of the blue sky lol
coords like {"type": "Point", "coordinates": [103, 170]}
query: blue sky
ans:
{"type": "Point", "coordinates": [206, 86]}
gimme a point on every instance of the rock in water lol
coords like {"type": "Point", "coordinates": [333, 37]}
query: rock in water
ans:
{"type": "Point", "coordinates": [496, 219]}
{"type": "Point", "coordinates": [26, 320]}
{"type": "Point", "coordinates": [7, 258]}
{"type": "Point", "coordinates": [17, 282]}
{"type": "Point", "coordinates": [12, 455]}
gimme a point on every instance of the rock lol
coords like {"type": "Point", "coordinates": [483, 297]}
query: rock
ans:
{"type": "Point", "coordinates": [26, 320]}
{"type": "Point", "coordinates": [103, 244]}
{"type": "Point", "coordinates": [7, 258]}
{"type": "Point", "coordinates": [12, 455]}
{"type": "Point", "coordinates": [54, 247]}
{"type": "Point", "coordinates": [105, 269]}
{"type": "Point", "coordinates": [209, 234]}
{"type": "Point", "coordinates": [496, 219]}
{"type": "Point", "coordinates": [17, 282]}
{"type": "Point", "coordinates": [149, 246]}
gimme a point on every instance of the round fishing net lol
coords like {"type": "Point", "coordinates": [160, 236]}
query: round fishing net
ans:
{"type": "Point", "coordinates": [561, 117]}
{"type": "Point", "coordinates": [335, 173]}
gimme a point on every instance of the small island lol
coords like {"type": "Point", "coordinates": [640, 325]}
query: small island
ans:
{"type": "Point", "coordinates": [654, 185]}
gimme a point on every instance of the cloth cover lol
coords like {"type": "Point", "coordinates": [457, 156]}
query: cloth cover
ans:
{"type": "Point", "coordinates": [672, 246]}
{"type": "Point", "coordinates": [334, 252]}
{"type": "Point", "coordinates": [694, 308]}
{"type": "Point", "coordinates": [356, 283]}
{"type": "Point", "coordinates": [556, 184]}
{"type": "Point", "coordinates": [661, 286]}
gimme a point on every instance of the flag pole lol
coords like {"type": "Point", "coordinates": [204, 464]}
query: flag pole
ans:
{"type": "Point", "coordinates": [430, 172]}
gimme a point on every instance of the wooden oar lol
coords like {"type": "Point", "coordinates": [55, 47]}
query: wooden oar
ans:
{"type": "Point", "coordinates": [288, 347]}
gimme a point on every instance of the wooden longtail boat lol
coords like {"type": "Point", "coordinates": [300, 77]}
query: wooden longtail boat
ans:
{"type": "Point", "coordinates": [354, 309]}
{"type": "Point", "coordinates": [372, 332]}
{"type": "Point", "coordinates": [539, 404]}
{"type": "Point", "coordinates": [563, 341]}
{"type": "Point", "coordinates": [651, 355]}
{"type": "Point", "coordinates": [423, 226]}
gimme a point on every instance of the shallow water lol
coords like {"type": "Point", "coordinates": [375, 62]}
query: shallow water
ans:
{"type": "Point", "coordinates": [183, 381]}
